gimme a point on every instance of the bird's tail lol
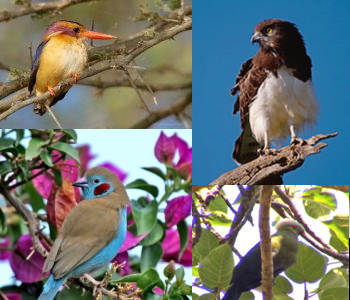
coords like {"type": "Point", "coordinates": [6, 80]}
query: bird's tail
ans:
{"type": "Point", "coordinates": [233, 293]}
{"type": "Point", "coordinates": [51, 288]}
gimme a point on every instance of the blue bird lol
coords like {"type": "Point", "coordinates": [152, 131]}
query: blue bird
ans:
{"type": "Point", "coordinates": [92, 232]}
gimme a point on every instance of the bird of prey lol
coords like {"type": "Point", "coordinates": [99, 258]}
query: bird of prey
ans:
{"type": "Point", "coordinates": [275, 92]}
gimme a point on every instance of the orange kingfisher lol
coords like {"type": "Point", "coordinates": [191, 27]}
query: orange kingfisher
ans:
{"type": "Point", "coordinates": [61, 54]}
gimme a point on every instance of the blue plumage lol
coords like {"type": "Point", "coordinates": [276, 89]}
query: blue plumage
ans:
{"type": "Point", "coordinates": [92, 232]}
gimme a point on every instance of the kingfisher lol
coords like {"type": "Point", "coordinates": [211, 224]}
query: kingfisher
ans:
{"type": "Point", "coordinates": [62, 54]}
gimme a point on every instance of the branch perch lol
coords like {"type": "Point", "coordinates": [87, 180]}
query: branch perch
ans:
{"type": "Point", "coordinates": [284, 161]}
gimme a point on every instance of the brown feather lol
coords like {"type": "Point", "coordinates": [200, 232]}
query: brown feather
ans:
{"type": "Point", "coordinates": [78, 241]}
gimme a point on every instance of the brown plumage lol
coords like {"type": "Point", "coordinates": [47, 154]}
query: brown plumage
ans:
{"type": "Point", "coordinates": [269, 100]}
{"type": "Point", "coordinates": [87, 227]}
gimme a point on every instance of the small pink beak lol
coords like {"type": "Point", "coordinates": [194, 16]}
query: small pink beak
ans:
{"type": "Point", "coordinates": [93, 35]}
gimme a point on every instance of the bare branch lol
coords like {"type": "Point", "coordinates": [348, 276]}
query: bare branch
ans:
{"type": "Point", "coordinates": [154, 117]}
{"type": "Point", "coordinates": [283, 161]}
{"type": "Point", "coordinates": [33, 8]}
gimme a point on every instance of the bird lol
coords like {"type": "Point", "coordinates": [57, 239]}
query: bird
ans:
{"type": "Point", "coordinates": [284, 244]}
{"type": "Point", "coordinates": [275, 92]}
{"type": "Point", "coordinates": [61, 54]}
{"type": "Point", "coordinates": [92, 232]}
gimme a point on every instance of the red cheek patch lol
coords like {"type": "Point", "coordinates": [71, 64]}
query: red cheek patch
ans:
{"type": "Point", "coordinates": [102, 188]}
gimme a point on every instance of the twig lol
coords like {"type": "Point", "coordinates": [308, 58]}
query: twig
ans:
{"type": "Point", "coordinates": [33, 224]}
{"type": "Point", "coordinates": [6, 15]}
{"type": "Point", "coordinates": [154, 117]}
{"type": "Point", "coordinates": [327, 249]}
{"type": "Point", "coordinates": [53, 116]}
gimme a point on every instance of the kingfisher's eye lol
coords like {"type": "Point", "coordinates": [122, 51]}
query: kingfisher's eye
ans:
{"type": "Point", "coordinates": [269, 30]}
{"type": "Point", "coordinates": [76, 29]}
{"type": "Point", "coordinates": [96, 180]}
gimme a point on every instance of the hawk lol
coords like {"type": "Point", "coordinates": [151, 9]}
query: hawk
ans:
{"type": "Point", "coordinates": [275, 92]}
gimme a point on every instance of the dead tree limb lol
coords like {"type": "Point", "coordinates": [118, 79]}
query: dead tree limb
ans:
{"type": "Point", "coordinates": [283, 161]}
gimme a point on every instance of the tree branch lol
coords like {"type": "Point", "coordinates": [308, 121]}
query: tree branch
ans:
{"type": "Point", "coordinates": [284, 161]}
{"type": "Point", "coordinates": [154, 117]}
{"type": "Point", "coordinates": [265, 245]}
{"type": "Point", "coordinates": [34, 8]}
{"type": "Point", "coordinates": [33, 224]}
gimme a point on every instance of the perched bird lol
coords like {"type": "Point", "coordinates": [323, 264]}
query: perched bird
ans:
{"type": "Point", "coordinates": [247, 273]}
{"type": "Point", "coordinates": [61, 54]}
{"type": "Point", "coordinates": [92, 232]}
{"type": "Point", "coordinates": [275, 92]}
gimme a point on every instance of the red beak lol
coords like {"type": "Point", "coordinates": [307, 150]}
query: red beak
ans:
{"type": "Point", "coordinates": [93, 35]}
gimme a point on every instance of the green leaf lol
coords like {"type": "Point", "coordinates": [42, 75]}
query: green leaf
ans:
{"type": "Point", "coordinates": [339, 229]}
{"type": "Point", "coordinates": [5, 167]}
{"type": "Point", "coordinates": [155, 171]}
{"type": "Point", "coordinates": [183, 234]}
{"type": "Point", "coordinates": [145, 217]}
{"type": "Point", "coordinates": [46, 157]}
{"type": "Point", "coordinates": [19, 136]}
{"type": "Point", "coordinates": [24, 167]}
{"type": "Point", "coordinates": [311, 265]}
{"type": "Point", "coordinates": [57, 176]}
{"type": "Point", "coordinates": [318, 203]}
{"type": "Point", "coordinates": [216, 268]}
{"type": "Point", "coordinates": [154, 236]}
{"type": "Point", "coordinates": [180, 273]}
{"type": "Point", "coordinates": [148, 280]}
{"type": "Point", "coordinates": [128, 278]}
{"type": "Point", "coordinates": [71, 133]}
{"type": "Point", "coordinates": [150, 256]}
{"type": "Point", "coordinates": [67, 149]}
{"type": "Point", "coordinates": [36, 200]}
{"type": "Point", "coordinates": [143, 185]}
{"type": "Point", "coordinates": [34, 148]}
{"type": "Point", "coordinates": [207, 242]}
{"type": "Point", "coordinates": [7, 145]}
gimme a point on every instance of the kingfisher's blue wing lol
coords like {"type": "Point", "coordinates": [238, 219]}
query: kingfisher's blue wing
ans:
{"type": "Point", "coordinates": [35, 66]}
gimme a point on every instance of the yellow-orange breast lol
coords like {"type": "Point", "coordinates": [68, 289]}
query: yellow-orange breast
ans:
{"type": "Point", "coordinates": [62, 56]}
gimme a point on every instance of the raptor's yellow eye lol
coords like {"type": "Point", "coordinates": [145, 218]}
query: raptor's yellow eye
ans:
{"type": "Point", "coordinates": [268, 30]}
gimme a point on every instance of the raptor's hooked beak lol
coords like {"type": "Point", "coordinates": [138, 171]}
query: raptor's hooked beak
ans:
{"type": "Point", "coordinates": [256, 38]}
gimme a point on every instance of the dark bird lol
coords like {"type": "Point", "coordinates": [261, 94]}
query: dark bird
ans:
{"type": "Point", "coordinates": [247, 274]}
{"type": "Point", "coordinates": [275, 92]}
{"type": "Point", "coordinates": [62, 54]}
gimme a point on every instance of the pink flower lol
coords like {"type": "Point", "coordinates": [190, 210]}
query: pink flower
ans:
{"type": "Point", "coordinates": [13, 296]}
{"type": "Point", "coordinates": [171, 248]}
{"type": "Point", "coordinates": [5, 243]}
{"type": "Point", "coordinates": [27, 271]}
{"type": "Point", "coordinates": [85, 156]}
{"type": "Point", "coordinates": [178, 209]}
{"type": "Point", "coordinates": [165, 148]}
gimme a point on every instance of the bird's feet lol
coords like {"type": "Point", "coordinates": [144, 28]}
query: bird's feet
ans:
{"type": "Point", "coordinates": [295, 140]}
{"type": "Point", "coordinates": [95, 283]}
{"type": "Point", "coordinates": [51, 91]}
{"type": "Point", "coordinates": [267, 151]}
{"type": "Point", "coordinates": [76, 77]}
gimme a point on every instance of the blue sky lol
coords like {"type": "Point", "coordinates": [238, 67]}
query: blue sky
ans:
{"type": "Point", "coordinates": [221, 43]}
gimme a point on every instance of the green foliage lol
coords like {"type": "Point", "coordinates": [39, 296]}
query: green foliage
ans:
{"type": "Point", "coordinates": [216, 268]}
